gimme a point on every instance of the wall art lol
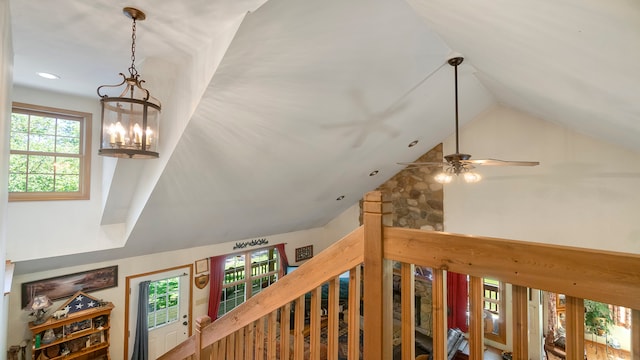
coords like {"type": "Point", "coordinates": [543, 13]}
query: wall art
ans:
{"type": "Point", "coordinates": [304, 253]}
{"type": "Point", "coordinates": [61, 287]}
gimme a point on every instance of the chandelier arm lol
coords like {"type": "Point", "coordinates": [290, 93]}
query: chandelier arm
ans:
{"type": "Point", "coordinates": [124, 79]}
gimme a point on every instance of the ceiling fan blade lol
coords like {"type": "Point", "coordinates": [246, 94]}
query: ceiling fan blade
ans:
{"type": "Point", "coordinates": [496, 162]}
{"type": "Point", "coordinates": [416, 164]}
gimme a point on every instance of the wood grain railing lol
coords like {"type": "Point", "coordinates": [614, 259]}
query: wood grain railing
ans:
{"type": "Point", "coordinates": [260, 328]}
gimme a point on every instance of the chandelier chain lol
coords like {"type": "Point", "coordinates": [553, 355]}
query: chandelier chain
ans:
{"type": "Point", "coordinates": [132, 69]}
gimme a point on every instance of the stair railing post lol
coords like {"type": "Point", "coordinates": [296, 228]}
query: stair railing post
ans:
{"type": "Point", "coordinates": [378, 277]}
{"type": "Point", "coordinates": [201, 323]}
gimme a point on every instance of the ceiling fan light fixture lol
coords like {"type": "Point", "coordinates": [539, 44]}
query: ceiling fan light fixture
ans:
{"type": "Point", "coordinates": [471, 177]}
{"type": "Point", "coordinates": [460, 163]}
{"type": "Point", "coordinates": [130, 120]}
{"type": "Point", "coordinates": [443, 178]}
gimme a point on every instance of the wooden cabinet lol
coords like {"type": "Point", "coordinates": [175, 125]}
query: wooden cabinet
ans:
{"type": "Point", "coordinates": [81, 335]}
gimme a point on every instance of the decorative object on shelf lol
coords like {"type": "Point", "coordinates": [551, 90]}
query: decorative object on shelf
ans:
{"type": "Point", "coordinates": [255, 242]}
{"type": "Point", "coordinates": [38, 306]}
{"type": "Point", "coordinates": [99, 322]}
{"type": "Point", "coordinates": [202, 266]}
{"type": "Point", "coordinates": [83, 334]}
{"type": "Point", "coordinates": [48, 337]}
{"type": "Point", "coordinates": [304, 253]}
{"type": "Point", "coordinates": [131, 119]}
{"type": "Point", "coordinates": [201, 281]}
{"type": "Point", "coordinates": [62, 313]}
{"type": "Point", "coordinates": [61, 287]}
{"type": "Point", "coordinates": [53, 351]}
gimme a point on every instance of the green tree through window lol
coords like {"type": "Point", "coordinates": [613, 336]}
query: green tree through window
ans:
{"type": "Point", "coordinates": [164, 302]}
{"type": "Point", "coordinates": [245, 275]}
{"type": "Point", "coordinates": [49, 154]}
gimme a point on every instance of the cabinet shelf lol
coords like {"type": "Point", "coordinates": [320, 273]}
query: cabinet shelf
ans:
{"type": "Point", "coordinates": [71, 337]}
{"type": "Point", "coordinates": [82, 335]}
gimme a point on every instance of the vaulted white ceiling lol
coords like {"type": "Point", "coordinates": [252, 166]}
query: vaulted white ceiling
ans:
{"type": "Point", "coordinates": [272, 110]}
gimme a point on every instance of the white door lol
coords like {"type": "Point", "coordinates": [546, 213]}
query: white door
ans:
{"type": "Point", "coordinates": [168, 310]}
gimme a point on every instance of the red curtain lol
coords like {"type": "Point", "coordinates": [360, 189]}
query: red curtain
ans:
{"type": "Point", "coordinates": [457, 297]}
{"type": "Point", "coordinates": [215, 284]}
{"type": "Point", "coordinates": [284, 263]}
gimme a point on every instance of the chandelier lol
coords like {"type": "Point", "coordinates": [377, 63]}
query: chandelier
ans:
{"type": "Point", "coordinates": [130, 120]}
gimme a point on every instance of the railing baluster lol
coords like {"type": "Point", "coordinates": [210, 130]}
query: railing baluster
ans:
{"type": "Point", "coordinates": [285, 331]}
{"type": "Point", "coordinates": [332, 321]}
{"type": "Point", "coordinates": [476, 335]}
{"type": "Point", "coordinates": [231, 346]}
{"type": "Point", "coordinates": [520, 307]}
{"type": "Point", "coordinates": [248, 339]}
{"type": "Point", "coordinates": [439, 300]}
{"type": "Point", "coordinates": [408, 306]}
{"type": "Point", "coordinates": [635, 334]}
{"type": "Point", "coordinates": [314, 328]}
{"type": "Point", "coordinates": [271, 335]}
{"type": "Point", "coordinates": [298, 327]}
{"type": "Point", "coordinates": [575, 328]}
{"type": "Point", "coordinates": [353, 313]}
{"type": "Point", "coordinates": [240, 344]}
{"type": "Point", "coordinates": [259, 339]}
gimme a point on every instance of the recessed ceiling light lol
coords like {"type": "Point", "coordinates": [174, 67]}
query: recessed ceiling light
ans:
{"type": "Point", "coordinates": [48, 76]}
{"type": "Point", "coordinates": [413, 143]}
{"type": "Point", "coordinates": [374, 172]}
{"type": "Point", "coordinates": [340, 197]}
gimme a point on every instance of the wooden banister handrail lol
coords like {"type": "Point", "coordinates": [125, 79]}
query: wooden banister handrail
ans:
{"type": "Point", "coordinates": [333, 261]}
{"type": "Point", "coordinates": [251, 330]}
{"type": "Point", "coordinates": [604, 276]}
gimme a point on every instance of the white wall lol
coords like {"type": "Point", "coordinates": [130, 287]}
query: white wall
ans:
{"type": "Point", "coordinates": [319, 237]}
{"type": "Point", "coordinates": [6, 79]}
{"type": "Point", "coordinates": [55, 218]}
{"type": "Point", "coordinates": [584, 193]}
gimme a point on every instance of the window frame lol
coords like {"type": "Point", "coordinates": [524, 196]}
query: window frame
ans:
{"type": "Point", "coordinates": [166, 296]}
{"type": "Point", "coordinates": [273, 274]}
{"type": "Point", "coordinates": [501, 336]}
{"type": "Point", "coordinates": [84, 155]}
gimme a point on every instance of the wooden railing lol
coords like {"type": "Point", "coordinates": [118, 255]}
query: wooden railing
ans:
{"type": "Point", "coordinates": [272, 325]}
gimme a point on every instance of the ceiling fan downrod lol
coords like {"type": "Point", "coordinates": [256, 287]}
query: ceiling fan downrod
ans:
{"type": "Point", "coordinates": [455, 61]}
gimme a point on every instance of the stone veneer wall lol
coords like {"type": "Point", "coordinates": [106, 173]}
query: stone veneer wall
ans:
{"type": "Point", "coordinates": [418, 204]}
{"type": "Point", "coordinates": [417, 198]}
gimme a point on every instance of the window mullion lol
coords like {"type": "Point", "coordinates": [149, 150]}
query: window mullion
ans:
{"type": "Point", "coordinates": [248, 276]}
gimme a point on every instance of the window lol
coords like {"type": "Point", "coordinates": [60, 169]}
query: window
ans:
{"type": "Point", "coordinates": [494, 310]}
{"type": "Point", "coordinates": [49, 154]}
{"type": "Point", "coordinates": [164, 302]}
{"type": "Point", "coordinates": [245, 275]}
{"type": "Point", "coordinates": [621, 316]}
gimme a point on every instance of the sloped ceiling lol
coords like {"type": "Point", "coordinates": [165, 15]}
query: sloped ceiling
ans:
{"type": "Point", "coordinates": [295, 102]}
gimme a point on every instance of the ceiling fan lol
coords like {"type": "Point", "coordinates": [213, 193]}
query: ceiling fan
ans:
{"type": "Point", "coordinates": [459, 163]}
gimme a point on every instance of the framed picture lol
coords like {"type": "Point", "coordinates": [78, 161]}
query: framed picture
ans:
{"type": "Point", "coordinates": [202, 266]}
{"type": "Point", "coordinates": [61, 287]}
{"type": "Point", "coordinates": [561, 301]}
{"type": "Point", "coordinates": [304, 253]}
